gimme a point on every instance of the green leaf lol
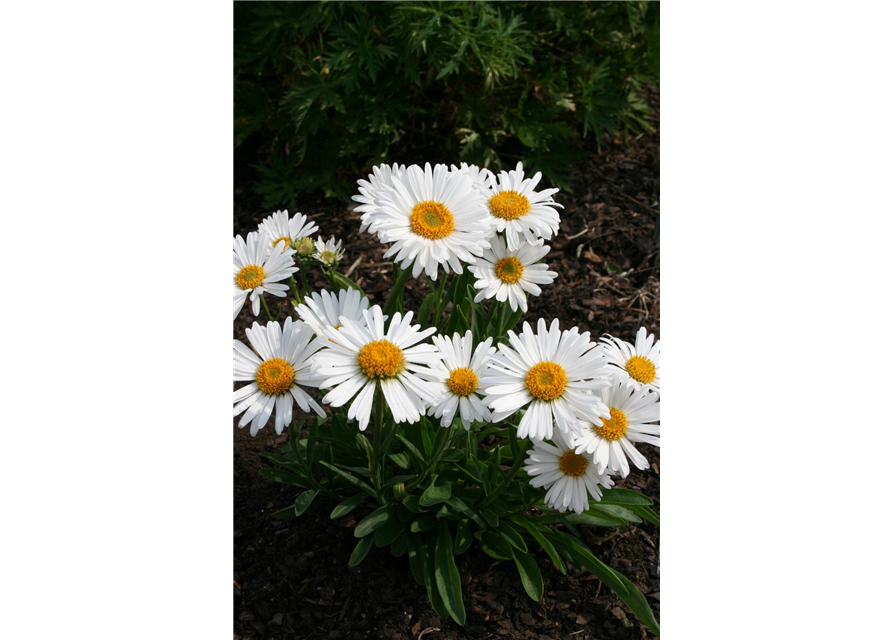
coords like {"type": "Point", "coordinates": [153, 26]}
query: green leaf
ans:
{"type": "Point", "coordinates": [625, 497]}
{"type": "Point", "coordinates": [638, 605]}
{"type": "Point", "coordinates": [400, 459]}
{"type": "Point", "coordinates": [397, 480]}
{"type": "Point", "coordinates": [360, 551]}
{"type": "Point", "coordinates": [580, 555]}
{"type": "Point", "coordinates": [547, 546]}
{"type": "Point", "coordinates": [423, 524]}
{"type": "Point", "coordinates": [426, 308]}
{"type": "Point", "coordinates": [495, 546]}
{"type": "Point", "coordinates": [491, 518]}
{"type": "Point", "coordinates": [416, 551]}
{"type": "Point", "coordinates": [371, 522]}
{"type": "Point", "coordinates": [456, 503]}
{"type": "Point", "coordinates": [351, 479]}
{"type": "Point", "coordinates": [346, 283]}
{"type": "Point", "coordinates": [446, 575]}
{"type": "Point", "coordinates": [398, 547]}
{"type": "Point", "coordinates": [304, 501]}
{"type": "Point", "coordinates": [509, 533]}
{"type": "Point", "coordinates": [348, 505]}
{"type": "Point", "coordinates": [431, 581]}
{"type": "Point", "coordinates": [412, 503]}
{"type": "Point", "coordinates": [647, 513]}
{"type": "Point", "coordinates": [463, 537]}
{"type": "Point", "coordinates": [285, 477]}
{"type": "Point", "coordinates": [531, 577]}
{"type": "Point", "coordinates": [435, 494]}
{"type": "Point", "coordinates": [614, 511]}
{"type": "Point", "coordinates": [601, 520]}
{"type": "Point", "coordinates": [390, 530]}
{"type": "Point", "coordinates": [413, 450]}
{"type": "Point", "coordinates": [285, 514]}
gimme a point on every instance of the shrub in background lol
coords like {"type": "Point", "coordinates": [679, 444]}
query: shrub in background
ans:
{"type": "Point", "coordinates": [325, 90]}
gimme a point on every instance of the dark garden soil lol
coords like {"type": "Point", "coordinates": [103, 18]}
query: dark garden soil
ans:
{"type": "Point", "coordinates": [291, 578]}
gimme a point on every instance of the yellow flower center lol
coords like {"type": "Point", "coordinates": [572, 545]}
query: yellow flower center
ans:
{"type": "Point", "coordinates": [328, 256]}
{"type": "Point", "coordinates": [641, 369]}
{"type": "Point", "coordinates": [381, 359]}
{"type": "Point", "coordinates": [275, 376]}
{"type": "Point", "coordinates": [284, 239]}
{"type": "Point", "coordinates": [612, 428]}
{"type": "Point", "coordinates": [250, 277]}
{"type": "Point", "coordinates": [462, 381]}
{"type": "Point", "coordinates": [509, 270]}
{"type": "Point", "coordinates": [572, 464]}
{"type": "Point", "coordinates": [431, 220]}
{"type": "Point", "coordinates": [509, 205]}
{"type": "Point", "coordinates": [546, 380]}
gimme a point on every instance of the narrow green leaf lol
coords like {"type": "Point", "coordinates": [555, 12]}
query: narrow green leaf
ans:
{"type": "Point", "coordinates": [360, 551]}
{"type": "Point", "coordinates": [400, 459]}
{"type": "Point", "coordinates": [600, 520]}
{"type": "Point", "coordinates": [426, 308]}
{"type": "Point", "coordinates": [463, 537]}
{"type": "Point", "coordinates": [547, 546]}
{"type": "Point", "coordinates": [304, 501]}
{"type": "Point", "coordinates": [638, 605]}
{"type": "Point", "coordinates": [398, 547]}
{"type": "Point", "coordinates": [624, 497]}
{"type": "Point", "coordinates": [447, 575]}
{"type": "Point", "coordinates": [371, 522]}
{"type": "Point", "coordinates": [416, 551]}
{"type": "Point", "coordinates": [495, 546]}
{"type": "Point", "coordinates": [345, 283]}
{"type": "Point", "coordinates": [412, 503]}
{"type": "Point", "coordinates": [580, 555]}
{"type": "Point", "coordinates": [390, 530]}
{"type": "Point", "coordinates": [615, 511]}
{"type": "Point", "coordinates": [285, 477]}
{"type": "Point", "coordinates": [351, 479]}
{"type": "Point", "coordinates": [531, 577]}
{"type": "Point", "coordinates": [491, 518]}
{"type": "Point", "coordinates": [423, 524]}
{"type": "Point", "coordinates": [285, 514]}
{"type": "Point", "coordinates": [347, 506]}
{"type": "Point", "coordinates": [456, 503]}
{"type": "Point", "coordinates": [647, 513]}
{"type": "Point", "coordinates": [435, 494]}
{"type": "Point", "coordinates": [413, 450]}
{"type": "Point", "coordinates": [431, 581]}
{"type": "Point", "coordinates": [509, 533]}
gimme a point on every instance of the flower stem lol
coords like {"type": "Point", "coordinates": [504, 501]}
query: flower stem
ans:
{"type": "Point", "coordinates": [263, 303]}
{"type": "Point", "coordinates": [511, 474]}
{"type": "Point", "coordinates": [378, 409]}
{"type": "Point", "coordinates": [391, 305]}
{"type": "Point", "coordinates": [294, 289]}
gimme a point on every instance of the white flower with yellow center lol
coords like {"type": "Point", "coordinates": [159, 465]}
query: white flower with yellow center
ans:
{"type": "Point", "coordinates": [552, 373]}
{"type": "Point", "coordinates": [256, 269]}
{"type": "Point", "coordinates": [284, 362]}
{"type": "Point", "coordinates": [463, 366]}
{"type": "Point", "coordinates": [381, 178]}
{"type": "Point", "coordinates": [641, 361]}
{"type": "Point", "coordinates": [328, 252]}
{"type": "Point", "coordinates": [432, 218]}
{"type": "Point", "coordinates": [610, 440]}
{"type": "Point", "coordinates": [569, 477]}
{"type": "Point", "coordinates": [280, 229]}
{"type": "Point", "coordinates": [362, 355]}
{"type": "Point", "coordinates": [511, 274]}
{"type": "Point", "coordinates": [324, 310]}
{"type": "Point", "coordinates": [519, 211]}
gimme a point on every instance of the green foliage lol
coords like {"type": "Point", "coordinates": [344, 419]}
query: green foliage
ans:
{"type": "Point", "coordinates": [325, 90]}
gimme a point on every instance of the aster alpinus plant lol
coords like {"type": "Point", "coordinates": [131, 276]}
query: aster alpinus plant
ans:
{"type": "Point", "coordinates": [446, 426]}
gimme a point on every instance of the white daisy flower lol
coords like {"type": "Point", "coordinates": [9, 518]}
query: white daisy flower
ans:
{"type": "Point", "coordinates": [519, 211]}
{"type": "Point", "coordinates": [280, 228]}
{"type": "Point", "coordinates": [285, 362]}
{"type": "Point", "coordinates": [511, 274]}
{"type": "Point", "coordinates": [641, 362]}
{"type": "Point", "coordinates": [611, 440]}
{"type": "Point", "coordinates": [328, 252]}
{"type": "Point", "coordinates": [325, 309]}
{"type": "Point", "coordinates": [433, 218]}
{"type": "Point", "coordinates": [463, 365]}
{"type": "Point", "coordinates": [478, 176]}
{"type": "Point", "coordinates": [569, 477]}
{"type": "Point", "coordinates": [257, 268]}
{"type": "Point", "coordinates": [362, 355]}
{"type": "Point", "coordinates": [552, 373]}
{"type": "Point", "coordinates": [381, 178]}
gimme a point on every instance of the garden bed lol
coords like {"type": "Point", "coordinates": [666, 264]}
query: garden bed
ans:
{"type": "Point", "coordinates": [292, 579]}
